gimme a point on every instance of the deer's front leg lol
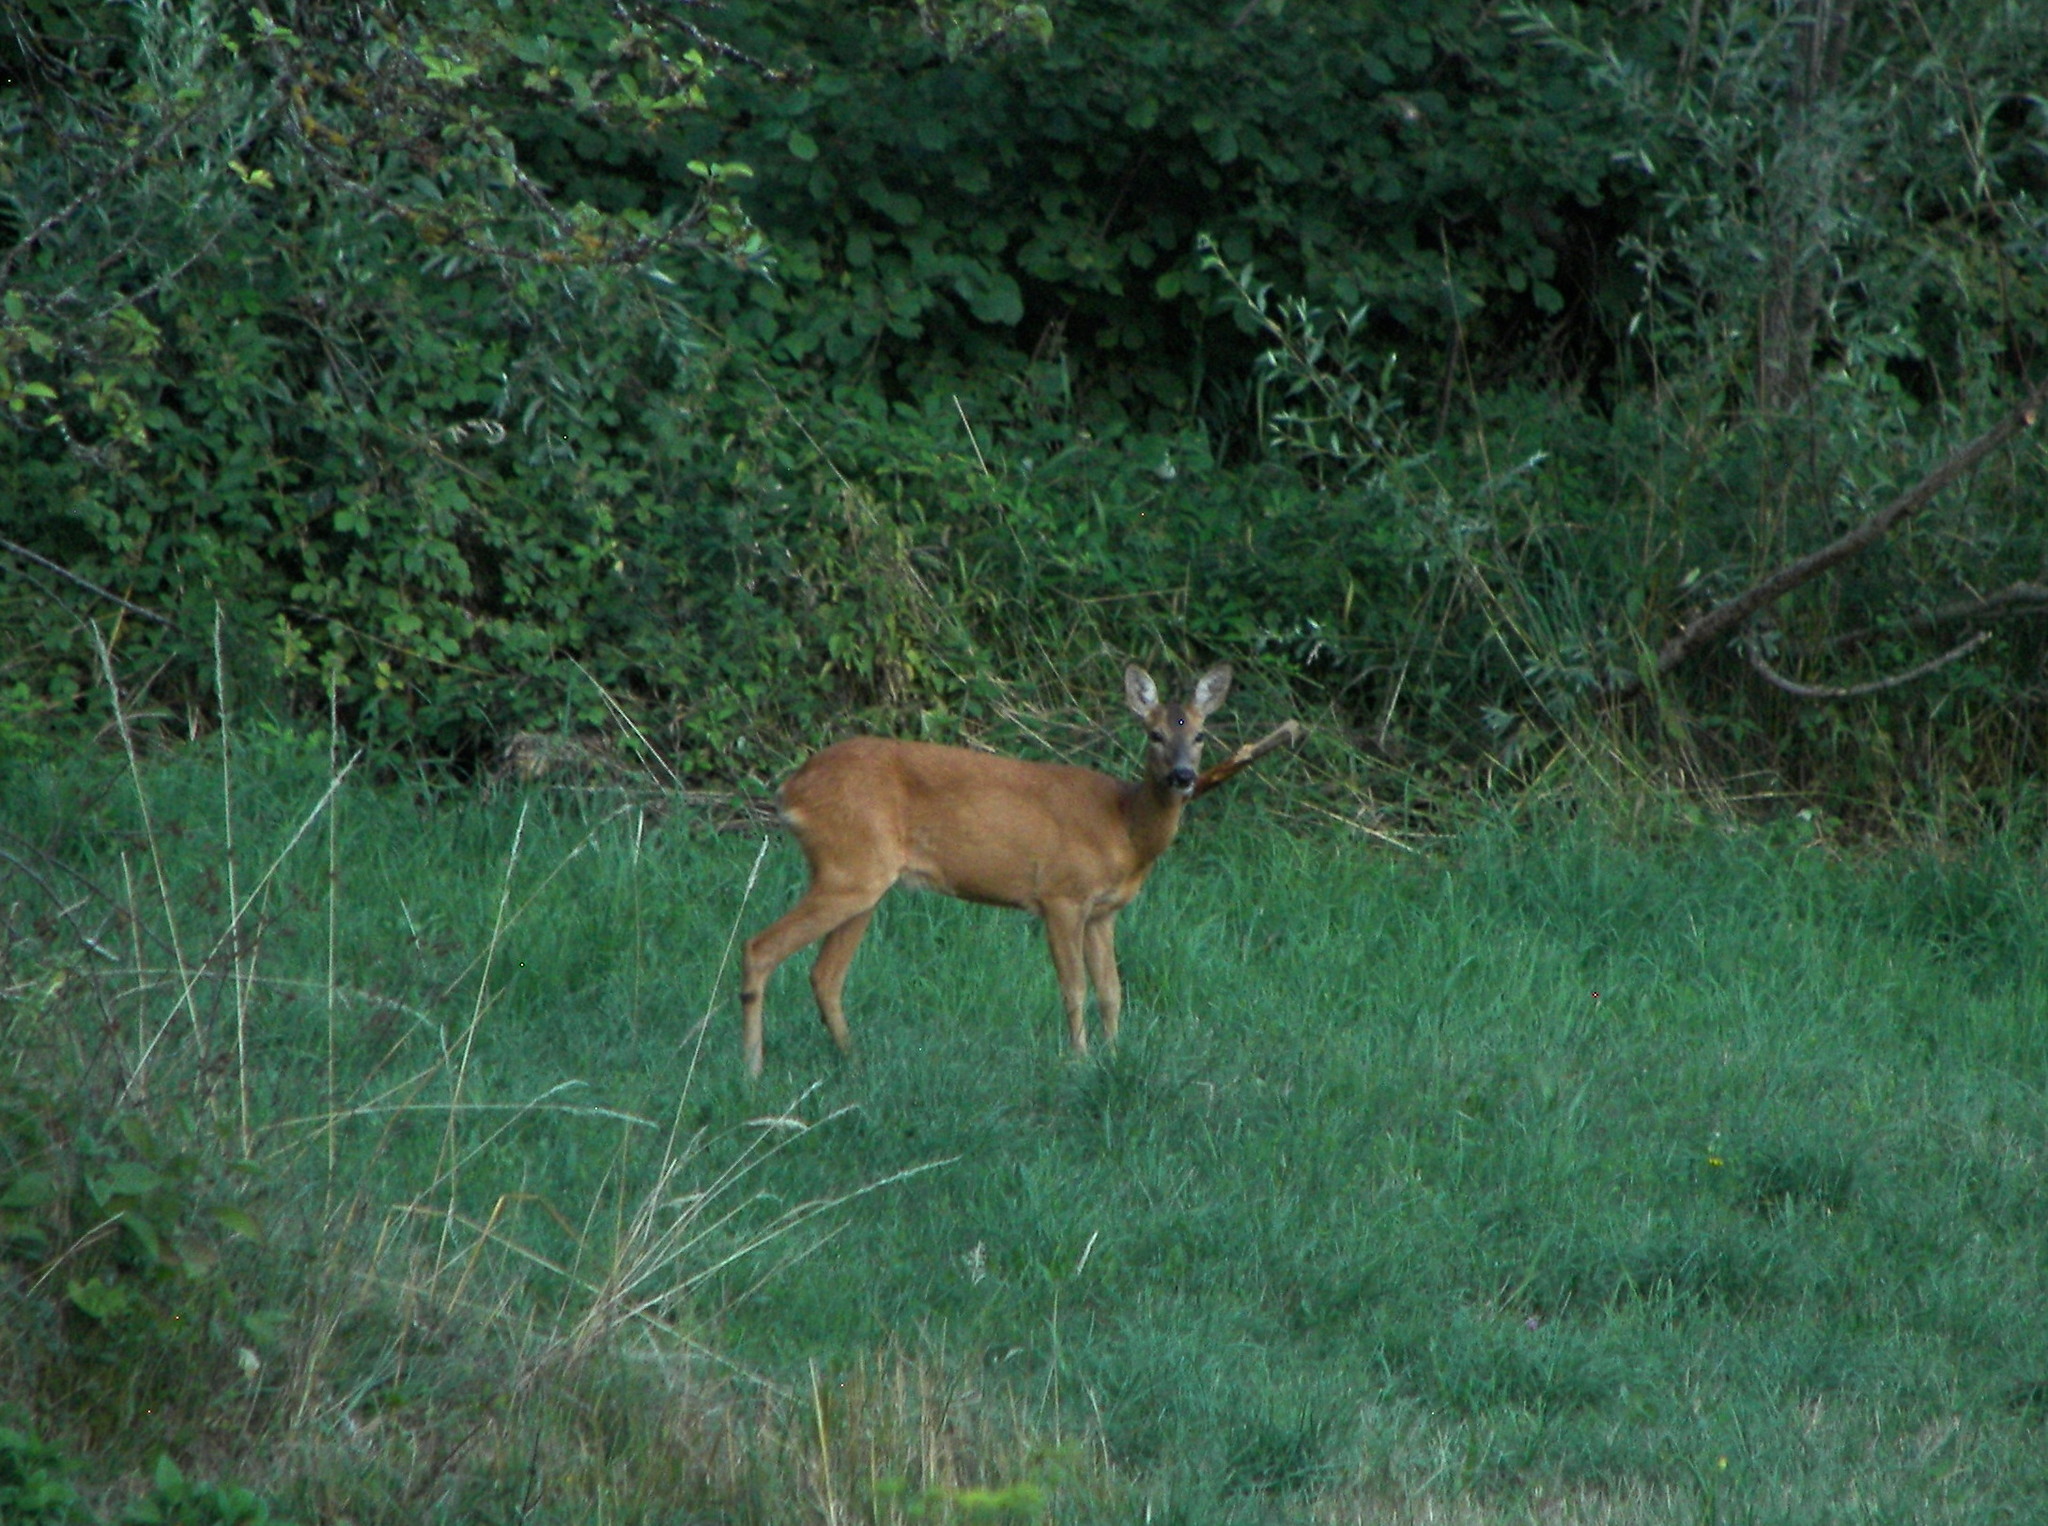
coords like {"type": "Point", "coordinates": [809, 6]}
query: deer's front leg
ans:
{"type": "Point", "coordinates": [1063, 935]}
{"type": "Point", "coordinates": [1109, 985]}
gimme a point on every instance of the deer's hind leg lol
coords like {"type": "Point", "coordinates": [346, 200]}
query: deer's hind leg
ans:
{"type": "Point", "coordinates": [834, 908]}
{"type": "Point", "coordinates": [828, 975]}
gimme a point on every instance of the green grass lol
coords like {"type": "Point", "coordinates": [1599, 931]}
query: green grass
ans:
{"type": "Point", "coordinates": [1545, 1175]}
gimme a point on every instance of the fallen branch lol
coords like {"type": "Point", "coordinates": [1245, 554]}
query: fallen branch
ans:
{"type": "Point", "coordinates": [1725, 617]}
{"type": "Point", "coordinates": [1286, 735]}
{"type": "Point", "coordinates": [1797, 690]}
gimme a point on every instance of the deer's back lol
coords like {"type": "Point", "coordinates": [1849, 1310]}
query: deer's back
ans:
{"type": "Point", "coordinates": [972, 824]}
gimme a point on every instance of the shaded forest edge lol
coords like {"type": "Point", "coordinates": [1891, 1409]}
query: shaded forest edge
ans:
{"type": "Point", "coordinates": [1517, 394]}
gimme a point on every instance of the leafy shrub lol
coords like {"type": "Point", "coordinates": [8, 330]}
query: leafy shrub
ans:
{"type": "Point", "coordinates": [867, 365]}
{"type": "Point", "coordinates": [174, 1500]}
{"type": "Point", "coordinates": [35, 1491]}
{"type": "Point", "coordinates": [33, 1488]}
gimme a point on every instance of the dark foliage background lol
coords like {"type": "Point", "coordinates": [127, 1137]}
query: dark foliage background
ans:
{"type": "Point", "coordinates": [778, 369]}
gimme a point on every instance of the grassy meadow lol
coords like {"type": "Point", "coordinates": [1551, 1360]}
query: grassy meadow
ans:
{"type": "Point", "coordinates": [1559, 1171]}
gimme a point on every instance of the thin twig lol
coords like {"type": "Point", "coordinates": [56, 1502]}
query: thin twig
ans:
{"type": "Point", "coordinates": [1357, 825]}
{"type": "Point", "coordinates": [1797, 690]}
{"type": "Point", "coordinates": [187, 977]}
{"type": "Point", "coordinates": [86, 583]}
{"type": "Point", "coordinates": [696, 1038]}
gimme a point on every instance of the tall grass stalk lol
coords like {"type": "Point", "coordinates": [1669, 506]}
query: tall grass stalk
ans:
{"type": "Point", "coordinates": [448, 1170]}
{"type": "Point", "coordinates": [185, 976]}
{"type": "Point", "coordinates": [227, 832]}
{"type": "Point", "coordinates": [333, 898]}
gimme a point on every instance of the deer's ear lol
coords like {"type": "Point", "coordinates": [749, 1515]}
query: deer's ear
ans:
{"type": "Point", "coordinates": [1211, 687]}
{"type": "Point", "coordinates": [1140, 693]}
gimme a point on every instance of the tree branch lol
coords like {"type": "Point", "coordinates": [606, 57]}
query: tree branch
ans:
{"type": "Point", "coordinates": [1286, 735]}
{"type": "Point", "coordinates": [1778, 680]}
{"type": "Point", "coordinates": [1730, 614]}
{"type": "Point", "coordinates": [86, 583]}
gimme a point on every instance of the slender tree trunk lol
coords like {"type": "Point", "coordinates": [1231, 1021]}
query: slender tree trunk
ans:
{"type": "Point", "coordinates": [1801, 196]}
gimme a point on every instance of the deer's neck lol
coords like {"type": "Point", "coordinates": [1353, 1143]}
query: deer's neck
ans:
{"type": "Point", "coordinates": [1152, 813]}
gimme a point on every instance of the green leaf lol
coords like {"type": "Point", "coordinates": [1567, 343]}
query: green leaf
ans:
{"type": "Point", "coordinates": [99, 1300]}
{"type": "Point", "coordinates": [993, 296]}
{"type": "Point", "coordinates": [238, 1221]}
{"type": "Point", "coordinates": [802, 146]}
{"type": "Point", "coordinates": [127, 1179]}
{"type": "Point", "coordinates": [30, 1189]}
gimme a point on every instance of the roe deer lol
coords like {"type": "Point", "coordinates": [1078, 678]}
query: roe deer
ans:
{"type": "Point", "coordinates": [1067, 843]}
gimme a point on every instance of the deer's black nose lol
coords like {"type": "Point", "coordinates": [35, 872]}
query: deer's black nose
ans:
{"type": "Point", "coordinates": [1182, 778]}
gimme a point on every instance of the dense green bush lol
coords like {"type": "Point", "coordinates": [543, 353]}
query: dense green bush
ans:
{"type": "Point", "coordinates": [335, 363]}
{"type": "Point", "coordinates": [814, 365]}
{"type": "Point", "coordinates": [1018, 221]}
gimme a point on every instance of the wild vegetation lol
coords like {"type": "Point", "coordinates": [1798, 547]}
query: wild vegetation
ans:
{"type": "Point", "coordinates": [400, 1165]}
{"type": "Point", "coordinates": [454, 458]}
{"type": "Point", "coordinates": [796, 365]}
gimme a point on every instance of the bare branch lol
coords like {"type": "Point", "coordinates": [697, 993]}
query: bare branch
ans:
{"type": "Point", "coordinates": [86, 583]}
{"type": "Point", "coordinates": [1730, 614]}
{"type": "Point", "coordinates": [1287, 735]}
{"type": "Point", "coordinates": [1778, 680]}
